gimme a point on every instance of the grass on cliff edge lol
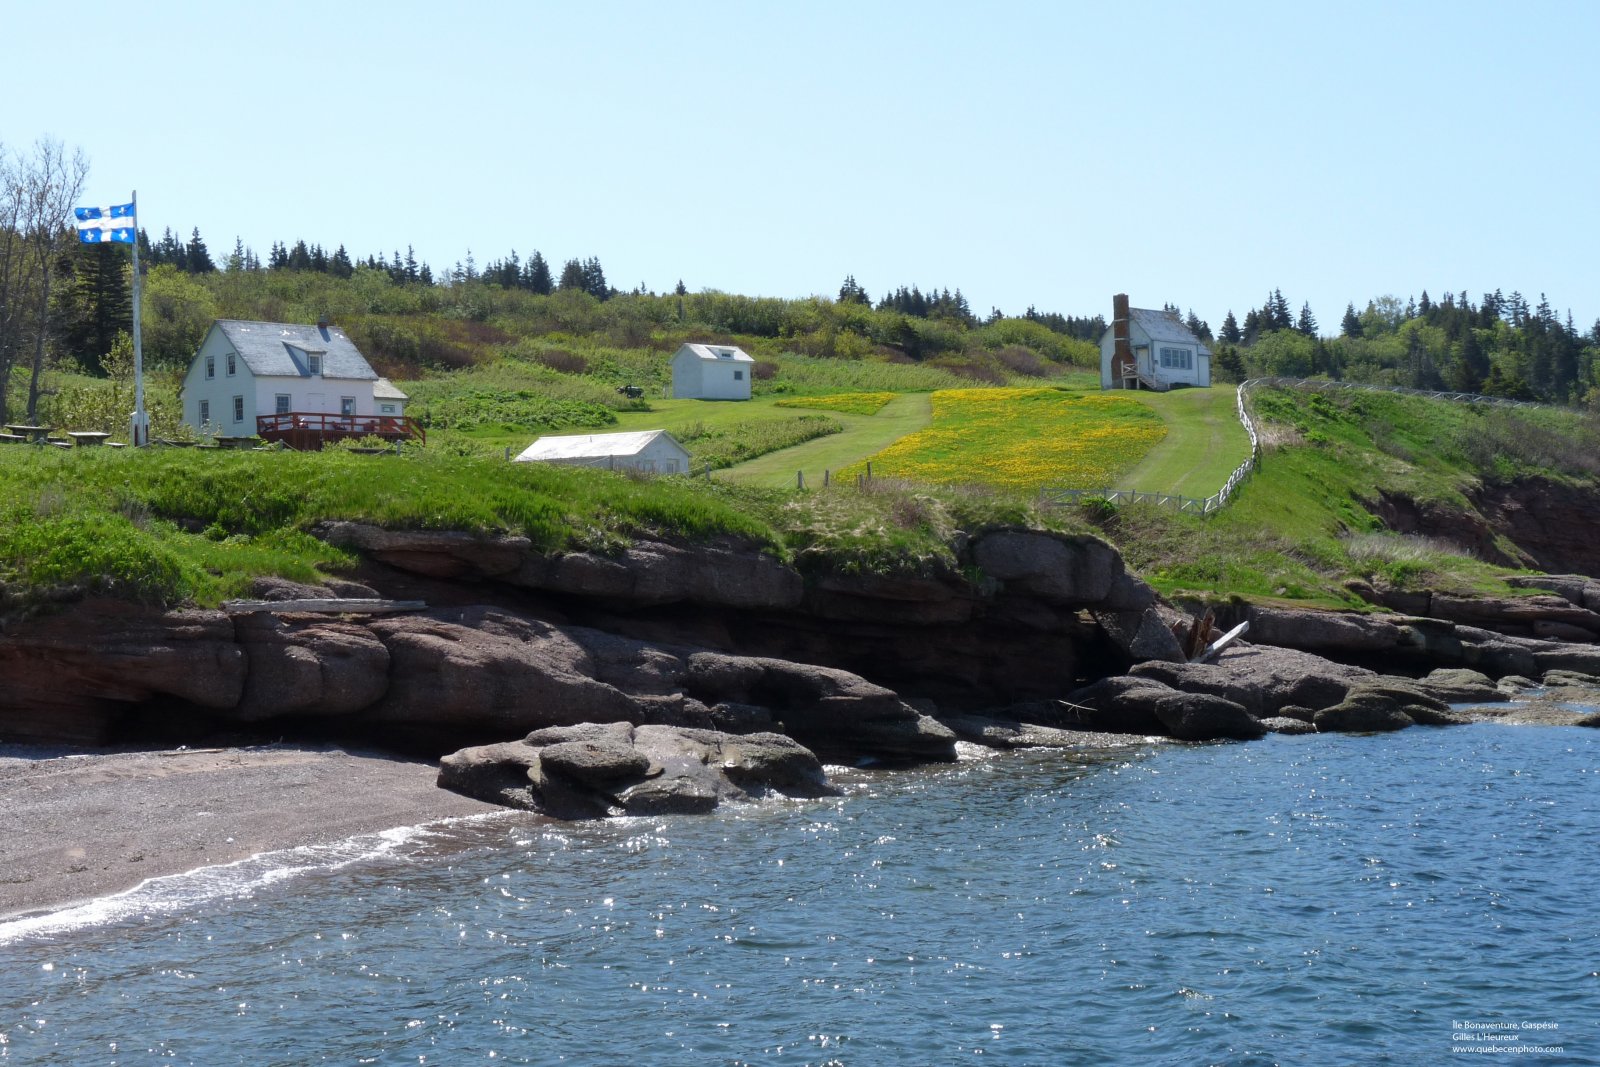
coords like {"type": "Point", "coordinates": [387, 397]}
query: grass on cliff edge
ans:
{"type": "Point", "coordinates": [168, 526]}
{"type": "Point", "coordinates": [1306, 522]}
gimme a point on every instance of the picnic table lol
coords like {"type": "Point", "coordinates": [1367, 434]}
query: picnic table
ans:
{"type": "Point", "coordinates": [31, 433]}
{"type": "Point", "coordinates": [87, 437]}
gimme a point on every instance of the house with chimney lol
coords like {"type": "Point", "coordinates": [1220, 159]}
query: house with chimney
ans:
{"type": "Point", "coordinates": [1147, 349]}
{"type": "Point", "coordinates": [301, 385]}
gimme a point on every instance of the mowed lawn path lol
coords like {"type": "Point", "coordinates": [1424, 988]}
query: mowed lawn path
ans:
{"type": "Point", "coordinates": [1204, 444]}
{"type": "Point", "coordinates": [863, 437]}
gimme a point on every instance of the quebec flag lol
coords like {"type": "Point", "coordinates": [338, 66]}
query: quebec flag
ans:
{"type": "Point", "coordinates": [114, 223]}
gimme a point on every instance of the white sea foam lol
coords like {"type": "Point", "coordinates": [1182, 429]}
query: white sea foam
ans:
{"type": "Point", "coordinates": [172, 893]}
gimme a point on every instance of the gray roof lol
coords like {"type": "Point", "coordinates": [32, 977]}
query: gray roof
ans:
{"type": "Point", "coordinates": [279, 349]}
{"type": "Point", "coordinates": [384, 389]}
{"type": "Point", "coordinates": [1165, 326]}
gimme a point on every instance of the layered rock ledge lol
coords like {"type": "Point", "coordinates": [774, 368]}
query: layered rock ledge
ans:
{"type": "Point", "coordinates": [665, 659]}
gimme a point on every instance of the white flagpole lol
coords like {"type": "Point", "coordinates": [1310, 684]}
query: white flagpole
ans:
{"type": "Point", "coordinates": [140, 425]}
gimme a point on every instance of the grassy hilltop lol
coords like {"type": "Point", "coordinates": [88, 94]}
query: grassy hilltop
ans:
{"type": "Point", "coordinates": [962, 423]}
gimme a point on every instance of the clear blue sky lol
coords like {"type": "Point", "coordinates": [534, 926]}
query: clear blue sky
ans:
{"type": "Point", "coordinates": [1028, 153]}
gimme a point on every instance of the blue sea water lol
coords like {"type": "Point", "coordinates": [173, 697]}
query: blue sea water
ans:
{"type": "Point", "coordinates": [1415, 898]}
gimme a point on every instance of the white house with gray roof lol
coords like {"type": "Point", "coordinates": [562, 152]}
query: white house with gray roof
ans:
{"type": "Point", "coordinates": [646, 451]}
{"type": "Point", "coordinates": [711, 372]}
{"type": "Point", "coordinates": [243, 370]}
{"type": "Point", "coordinates": [1158, 350]}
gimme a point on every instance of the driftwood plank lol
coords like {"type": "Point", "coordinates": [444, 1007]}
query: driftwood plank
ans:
{"type": "Point", "coordinates": [335, 606]}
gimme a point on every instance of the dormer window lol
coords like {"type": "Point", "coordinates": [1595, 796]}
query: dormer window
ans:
{"type": "Point", "coordinates": [314, 364]}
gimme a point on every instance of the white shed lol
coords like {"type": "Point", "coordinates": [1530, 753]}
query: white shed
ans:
{"type": "Point", "coordinates": [646, 451]}
{"type": "Point", "coordinates": [1157, 350]}
{"type": "Point", "coordinates": [711, 372]}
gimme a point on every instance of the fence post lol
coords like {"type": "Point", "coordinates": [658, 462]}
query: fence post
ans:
{"type": "Point", "coordinates": [827, 478]}
{"type": "Point", "coordinates": [799, 479]}
{"type": "Point", "coordinates": [869, 470]}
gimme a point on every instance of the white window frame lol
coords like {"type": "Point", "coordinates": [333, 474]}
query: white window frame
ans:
{"type": "Point", "coordinates": [386, 409]}
{"type": "Point", "coordinates": [205, 412]}
{"type": "Point", "coordinates": [211, 367]}
{"type": "Point", "coordinates": [1177, 359]}
{"type": "Point", "coordinates": [347, 406]}
{"type": "Point", "coordinates": [314, 364]}
{"type": "Point", "coordinates": [283, 403]}
{"type": "Point", "coordinates": [232, 364]}
{"type": "Point", "coordinates": [238, 409]}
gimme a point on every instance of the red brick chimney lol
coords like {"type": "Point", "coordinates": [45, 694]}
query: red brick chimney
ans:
{"type": "Point", "coordinates": [1122, 364]}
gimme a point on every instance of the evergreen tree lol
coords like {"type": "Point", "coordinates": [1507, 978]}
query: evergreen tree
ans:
{"type": "Point", "coordinates": [594, 279]}
{"type": "Point", "coordinates": [571, 275]}
{"type": "Point", "coordinates": [536, 275]}
{"type": "Point", "coordinates": [680, 290]}
{"type": "Point", "coordinates": [1230, 329]}
{"type": "Point", "coordinates": [1308, 322]}
{"type": "Point", "coordinates": [851, 293]}
{"type": "Point", "coordinates": [340, 266]}
{"type": "Point", "coordinates": [93, 301]}
{"type": "Point", "coordinates": [196, 259]}
{"type": "Point", "coordinates": [413, 274]}
{"type": "Point", "coordinates": [1351, 326]}
{"type": "Point", "coordinates": [236, 258]}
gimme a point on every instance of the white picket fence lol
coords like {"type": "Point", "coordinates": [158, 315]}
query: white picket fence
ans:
{"type": "Point", "coordinates": [1057, 497]}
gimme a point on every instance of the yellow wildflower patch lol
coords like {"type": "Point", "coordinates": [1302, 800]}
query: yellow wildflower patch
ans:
{"type": "Point", "coordinates": [850, 403]}
{"type": "Point", "coordinates": [1024, 439]}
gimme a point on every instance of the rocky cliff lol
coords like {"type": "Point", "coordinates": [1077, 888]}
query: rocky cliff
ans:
{"type": "Point", "coordinates": [712, 665]}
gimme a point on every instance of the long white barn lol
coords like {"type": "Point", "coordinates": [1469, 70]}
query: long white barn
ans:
{"type": "Point", "coordinates": [645, 451]}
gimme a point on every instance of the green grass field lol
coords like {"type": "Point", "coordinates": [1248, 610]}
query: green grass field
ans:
{"type": "Point", "coordinates": [1205, 443]}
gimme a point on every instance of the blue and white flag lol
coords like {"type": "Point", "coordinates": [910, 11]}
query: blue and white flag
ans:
{"type": "Point", "coordinates": [114, 223]}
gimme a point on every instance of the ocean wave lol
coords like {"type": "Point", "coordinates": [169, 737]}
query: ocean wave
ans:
{"type": "Point", "coordinates": [172, 893]}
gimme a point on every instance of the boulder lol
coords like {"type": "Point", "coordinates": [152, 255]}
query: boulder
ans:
{"type": "Point", "coordinates": [1381, 705]}
{"type": "Point", "coordinates": [1283, 724]}
{"type": "Point", "coordinates": [1458, 685]}
{"type": "Point", "coordinates": [1203, 717]}
{"type": "Point", "coordinates": [1057, 568]}
{"type": "Point", "coordinates": [307, 665]}
{"type": "Point", "coordinates": [593, 770]}
{"type": "Point", "coordinates": [1122, 705]}
{"type": "Point", "coordinates": [1002, 731]}
{"type": "Point", "coordinates": [1141, 635]}
{"type": "Point", "coordinates": [1261, 678]}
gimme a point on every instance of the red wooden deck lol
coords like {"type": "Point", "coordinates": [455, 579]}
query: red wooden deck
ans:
{"type": "Point", "coordinates": [306, 431]}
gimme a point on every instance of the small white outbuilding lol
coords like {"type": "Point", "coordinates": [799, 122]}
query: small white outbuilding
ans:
{"type": "Point", "coordinates": [711, 372]}
{"type": "Point", "coordinates": [645, 451]}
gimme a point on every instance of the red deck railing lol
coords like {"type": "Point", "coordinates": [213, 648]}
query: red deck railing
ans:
{"type": "Point", "coordinates": [309, 431]}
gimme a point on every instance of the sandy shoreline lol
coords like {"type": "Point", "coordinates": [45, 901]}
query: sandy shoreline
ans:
{"type": "Point", "coordinates": [84, 826]}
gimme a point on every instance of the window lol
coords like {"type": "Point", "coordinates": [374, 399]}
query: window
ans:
{"type": "Point", "coordinates": [347, 405]}
{"type": "Point", "coordinates": [314, 364]}
{"type": "Point", "coordinates": [738, 375]}
{"type": "Point", "coordinates": [282, 406]}
{"type": "Point", "coordinates": [231, 368]}
{"type": "Point", "coordinates": [211, 366]}
{"type": "Point", "coordinates": [238, 409]}
{"type": "Point", "coordinates": [386, 409]}
{"type": "Point", "coordinates": [1177, 358]}
{"type": "Point", "coordinates": [205, 412]}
